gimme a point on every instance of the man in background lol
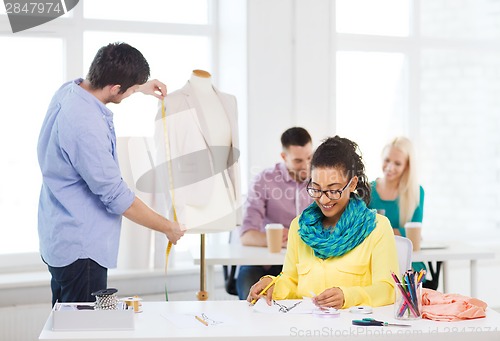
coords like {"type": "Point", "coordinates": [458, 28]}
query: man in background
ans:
{"type": "Point", "coordinates": [277, 195]}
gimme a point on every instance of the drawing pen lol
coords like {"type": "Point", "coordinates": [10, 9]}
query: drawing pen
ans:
{"type": "Point", "coordinates": [266, 288]}
{"type": "Point", "coordinates": [201, 320]}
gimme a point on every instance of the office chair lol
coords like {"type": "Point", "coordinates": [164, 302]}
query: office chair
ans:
{"type": "Point", "coordinates": [230, 272]}
{"type": "Point", "coordinates": [230, 279]}
{"type": "Point", "coordinates": [404, 247]}
{"type": "Point", "coordinates": [434, 282]}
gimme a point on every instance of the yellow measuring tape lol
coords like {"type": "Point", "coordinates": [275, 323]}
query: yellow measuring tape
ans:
{"type": "Point", "coordinates": [171, 179]}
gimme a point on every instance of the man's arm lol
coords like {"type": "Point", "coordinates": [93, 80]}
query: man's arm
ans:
{"type": "Point", "coordinates": [254, 238]}
{"type": "Point", "coordinates": [255, 211]}
{"type": "Point", "coordinates": [153, 87]}
{"type": "Point", "coordinates": [142, 214]}
{"type": "Point", "coordinates": [258, 238]}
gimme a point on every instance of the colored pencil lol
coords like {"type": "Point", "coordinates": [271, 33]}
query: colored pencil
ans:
{"type": "Point", "coordinates": [404, 293]}
{"type": "Point", "coordinates": [201, 320]}
{"type": "Point", "coordinates": [266, 288]}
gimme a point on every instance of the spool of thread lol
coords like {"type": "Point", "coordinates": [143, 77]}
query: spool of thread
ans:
{"type": "Point", "coordinates": [328, 312]}
{"type": "Point", "coordinates": [134, 302]}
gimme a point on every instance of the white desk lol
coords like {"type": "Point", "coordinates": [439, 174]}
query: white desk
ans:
{"type": "Point", "coordinates": [241, 322]}
{"type": "Point", "coordinates": [234, 254]}
{"type": "Point", "coordinates": [455, 252]}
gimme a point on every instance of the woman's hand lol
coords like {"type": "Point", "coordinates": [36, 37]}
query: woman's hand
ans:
{"type": "Point", "coordinates": [256, 289]}
{"type": "Point", "coordinates": [331, 298]}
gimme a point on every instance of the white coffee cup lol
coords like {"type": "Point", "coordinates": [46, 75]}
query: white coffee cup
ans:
{"type": "Point", "coordinates": [414, 233]}
{"type": "Point", "coordinates": [274, 237]}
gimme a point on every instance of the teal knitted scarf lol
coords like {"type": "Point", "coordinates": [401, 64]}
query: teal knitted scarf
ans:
{"type": "Point", "coordinates": [355, 224]}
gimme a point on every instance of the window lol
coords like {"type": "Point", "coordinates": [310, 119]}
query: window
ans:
{"type": "Point", "coordinates": [472, 19]}
{"type": "Point", "coordinates": [458, 123]}
{"type": "Point", "coordinates": [30, 75]}
{"type": "Point", "coordinates": [381, 17]}
{"type": "Point", "coordinates": [171, 59]}
{"type": "Point", "coordinates": [170, 11]}
{"type": "Point", "coordinates": [372, 82]}
{"type": "Point", "coordinates": [380, 80]}
{"type": "Point", "coordinates": [175, 37]}
{"type": "Point", "coordinates": [428, 70]}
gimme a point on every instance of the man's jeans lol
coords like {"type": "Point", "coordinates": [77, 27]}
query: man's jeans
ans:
{"type": "Point", "coordinates": [248, 275]}
{"type": "Point", "coordinates": [77, 281]}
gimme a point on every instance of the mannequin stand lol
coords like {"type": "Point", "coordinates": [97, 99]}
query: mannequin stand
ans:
{"type": "Point", "coordinates": [202, 295]}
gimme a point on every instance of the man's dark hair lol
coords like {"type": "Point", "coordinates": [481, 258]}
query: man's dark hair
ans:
{"type": "Point", "coordinates": [118, 64]}
{"type": "Point", "coordinates": [295, 136]}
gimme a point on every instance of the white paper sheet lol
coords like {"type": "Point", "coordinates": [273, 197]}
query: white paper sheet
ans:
{"type": "Point", "coordinates": [189, 320]}
{"type": "Point", "coordinates": [303, 306]}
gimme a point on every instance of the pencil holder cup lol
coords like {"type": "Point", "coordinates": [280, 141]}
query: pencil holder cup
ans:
{"type": "Point", "coordinates": [408, 303]}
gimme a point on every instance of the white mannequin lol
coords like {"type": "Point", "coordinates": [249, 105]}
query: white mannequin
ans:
{"type": "Point", "coordinates": [219, 132]}
{"type": "Point", "coordinates": [217, 121]}
{"type": "Point", "coordinates": [199, 126]}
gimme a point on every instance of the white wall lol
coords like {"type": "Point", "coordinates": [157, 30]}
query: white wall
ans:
{"type": "Point", "coordinates": [289, 74]}
{"type": "Point", "coordinates": [232, 73]}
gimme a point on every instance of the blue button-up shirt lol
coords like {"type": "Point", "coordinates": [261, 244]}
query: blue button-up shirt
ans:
{"type": "Point", "coordinates": [83, 194]}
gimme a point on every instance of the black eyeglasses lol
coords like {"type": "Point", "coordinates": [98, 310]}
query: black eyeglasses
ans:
{"type": "Point", "coordinates": [332, 194]}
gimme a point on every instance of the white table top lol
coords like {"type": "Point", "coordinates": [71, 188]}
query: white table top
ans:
{"type": "Point", "coordinates": [175, 321]}
{"type": "Point", "coordinates": [454, 251]}
{"type": "Point", "coordinates": [235, 254]}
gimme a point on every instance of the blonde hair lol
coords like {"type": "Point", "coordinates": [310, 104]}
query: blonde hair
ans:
{"type": "Point", "coordinates": [409, 188]}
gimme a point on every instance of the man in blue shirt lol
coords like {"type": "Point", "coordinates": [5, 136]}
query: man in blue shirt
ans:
{"type": "Point", "coordinates": [83, 195]}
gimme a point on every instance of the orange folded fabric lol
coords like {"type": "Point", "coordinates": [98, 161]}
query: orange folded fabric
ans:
{"type": "Point", "coordinates": [450, 307]}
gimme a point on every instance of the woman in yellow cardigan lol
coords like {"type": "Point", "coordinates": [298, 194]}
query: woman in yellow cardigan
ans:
{"type": "Point", "coordinates": [339, 251]}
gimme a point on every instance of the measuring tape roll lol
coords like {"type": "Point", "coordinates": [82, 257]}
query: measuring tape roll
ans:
{"type": "Point", "coordinates": [106, 299]}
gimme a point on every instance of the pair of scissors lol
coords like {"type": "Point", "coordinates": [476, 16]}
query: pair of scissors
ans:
{"type": "Point", "coordinates": [372, 322]}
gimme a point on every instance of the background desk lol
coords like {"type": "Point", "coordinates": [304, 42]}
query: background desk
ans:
{"type": "Point", "coordinates": [234, 254]}
{"type": "Point", "coordinates": [455, 251]}
{"type": "Point", "coordinates": [243, 323]}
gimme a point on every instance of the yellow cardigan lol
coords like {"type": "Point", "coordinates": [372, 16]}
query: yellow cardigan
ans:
{"type": "Point", "coordinates": [363, 274]}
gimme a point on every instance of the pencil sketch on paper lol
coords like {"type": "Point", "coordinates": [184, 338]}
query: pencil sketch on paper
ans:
{"type": "Point", "coordinates": [188, 320]}
{"type": "Point", "coordinates": [304, 306]}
